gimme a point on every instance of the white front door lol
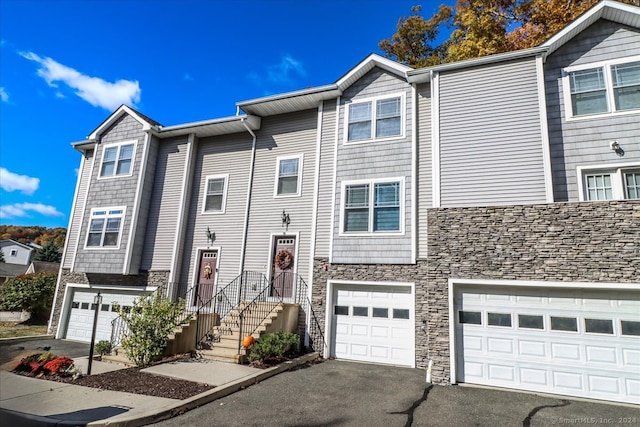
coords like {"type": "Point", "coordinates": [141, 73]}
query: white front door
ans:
{"type": "Point", "coordinates": [373, 323]}
{"type": "Point", "coordinates": [80, 325]}
{"type": "Point", "coordinates": [574, 342]}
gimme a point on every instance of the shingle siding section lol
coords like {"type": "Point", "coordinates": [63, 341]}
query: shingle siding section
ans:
{"type": "Point", "coordinates": [221, 155]}
{"type": "Point", "coordinates": [110, 192]}
{"type": "Point", "coordinates": [373, 160]}
{"type": "Point", "coordinates": [586, 141]}
{"type": "Point", "coordinates": [490, 136]}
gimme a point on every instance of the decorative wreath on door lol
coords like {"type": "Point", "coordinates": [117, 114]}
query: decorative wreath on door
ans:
{"type": "Point", "coordinates": [284, 259]}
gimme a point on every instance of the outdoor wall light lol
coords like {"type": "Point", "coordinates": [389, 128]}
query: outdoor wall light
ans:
{"type": "Point", "coordinates": [285, 220]}
{"type": "Point", "coordinates": [615, 146]}
{"type": "Point", "coordinates": [210, 236]}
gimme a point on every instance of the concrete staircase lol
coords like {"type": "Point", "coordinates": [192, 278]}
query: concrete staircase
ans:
{"type": "Point", "coordinates": [222, 344]}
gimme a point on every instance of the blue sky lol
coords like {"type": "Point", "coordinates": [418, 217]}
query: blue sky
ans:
{"type": "Point", "coordinates": [66, 65]}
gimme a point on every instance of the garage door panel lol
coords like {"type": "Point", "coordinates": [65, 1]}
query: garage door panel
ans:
{"type": "Point", "coordinates": [583, 352]}
{"type": "Point", "coordinates": [374, 324]}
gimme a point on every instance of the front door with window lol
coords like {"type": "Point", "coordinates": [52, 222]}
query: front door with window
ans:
{"type": "Point", "coordinates": [283, 266]}
{"type": "Point", "coordinates": [206, 280]}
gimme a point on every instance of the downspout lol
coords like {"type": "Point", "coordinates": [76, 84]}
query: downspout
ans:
{"type": "Point", "coordinates": [248, 205]}
{"type": "Point", "coordinates": [414, 173]}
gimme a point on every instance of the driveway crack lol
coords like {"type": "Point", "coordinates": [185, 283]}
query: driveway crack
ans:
{"type": "Point", "coordinates": [409, 412]}
{"type": "Point", "coordinates": [527, 421]}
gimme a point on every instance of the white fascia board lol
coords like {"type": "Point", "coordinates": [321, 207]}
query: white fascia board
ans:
{"type": "Point", "coordinates": [604, 9]}
{"type": "Point", "coordinates": [369, 63]}
{"type": "Point", "coordinates": [252, 121]}
{"type": "Point", "coordinates": [123, 109]}
{"type": "Point", "coordinates": [423, 75]}
{"type": "Point", "coordinates": [286, 95]}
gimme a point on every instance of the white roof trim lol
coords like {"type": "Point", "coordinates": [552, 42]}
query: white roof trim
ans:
{"type": "Point", "coordinates": [123, 109]}
{"type": "Point", "coordinates": [281, 96]}
{"type": "Point", "coordinates": [602, 9]}
{"type": "Point", "coordinates": [367, 64]}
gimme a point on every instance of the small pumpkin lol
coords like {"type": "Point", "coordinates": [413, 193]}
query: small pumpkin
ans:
{"type": "Point", "coordinates": [247, 341]}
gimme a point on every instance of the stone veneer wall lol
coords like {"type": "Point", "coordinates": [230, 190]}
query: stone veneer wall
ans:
{"type": "Point", "coordinates": [560, 242]}
{"type": "Point", "coordinates": [144, 279]}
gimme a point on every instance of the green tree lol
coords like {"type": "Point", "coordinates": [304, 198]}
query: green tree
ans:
{"type": "Point", "coordinates": [149, 322]}
{"type": "Point", "coordinates": [482, 27]}
{"type": "Point", "coordinates": [411, 44]}
{"type": "Point", "coordinates": [29, 292]}
{"type": "Point", "coordinates": [48, 253]}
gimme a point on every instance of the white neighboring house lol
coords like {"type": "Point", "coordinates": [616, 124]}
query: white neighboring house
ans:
{"type": "Point", "coordinates": [16, 252]}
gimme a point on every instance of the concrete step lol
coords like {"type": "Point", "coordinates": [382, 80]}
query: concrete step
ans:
{"type": "Point", "coordinates": [118, 357]}
{"type": "Point", "coordinates": [221, 355]}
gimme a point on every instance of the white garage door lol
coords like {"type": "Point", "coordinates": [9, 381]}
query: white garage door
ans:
{"type": "Point", "coordinates": [374, 324]}
{"type": "Point", "coordinates": [576, 342]}
{"type": "Point", "coordinates": [82, 312]}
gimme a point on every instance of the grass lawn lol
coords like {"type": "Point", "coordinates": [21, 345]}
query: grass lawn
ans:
{"type": "Point", "coordinates": [16, 329]}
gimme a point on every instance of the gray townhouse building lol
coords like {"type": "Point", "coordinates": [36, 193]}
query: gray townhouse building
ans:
{"type": "Point", "coordinates": [479, 219]}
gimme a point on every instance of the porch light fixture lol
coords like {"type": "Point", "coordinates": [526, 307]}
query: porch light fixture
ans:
{"type": "Point", "coordinates": [285, 220]}
{"type": "Point", "coordinates": [615, 146]}
{"type": "Point", "coordinates": [210, 236]}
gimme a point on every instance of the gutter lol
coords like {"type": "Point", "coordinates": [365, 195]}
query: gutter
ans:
{"type": "Point", "coordinates": [248, 205]}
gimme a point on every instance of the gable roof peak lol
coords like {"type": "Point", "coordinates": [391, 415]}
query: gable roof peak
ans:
{"type": "Point", "coordinates": [146, 122]}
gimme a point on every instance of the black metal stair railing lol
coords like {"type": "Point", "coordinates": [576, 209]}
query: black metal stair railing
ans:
{"type": "Point", "coordinates": [316, 341]}
{"type": "Point", "coordinates": [211, 313]}
{"type": "Point", "coordinates": [253, 314]}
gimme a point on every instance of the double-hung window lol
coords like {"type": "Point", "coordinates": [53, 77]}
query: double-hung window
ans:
{"type": "Point", "coordinates": [378, 118]}
{"type": "Point", "coordinates": [105, 227]}
{"type": "Point", "coordinates": [117, 159]}
{"type": "Point", "coordinates": [603, 88]}
{"type": "Point", "coordinates": [373, 207]}
{"type": "Point", "coordinates": [288, 176]}
{"type": "Point", "coordinates": [215, 193]}
{"type": "Point", "coordinates": [616, 183]}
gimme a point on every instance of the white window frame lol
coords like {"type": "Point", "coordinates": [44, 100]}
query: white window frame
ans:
{"type": "Point", "coordinates": [616, 170]}
{"type": "Point", "coordinates": [118, 145]}
{"type": "Point", "coordinates": [224, 194]}
{"type": "Point", "coordinates": [298, 192]}
{"type": "Point", "coordinates": [370, 232]}
{"type": "Point", "coordinates": [608, 79]}
{"type": "Point", "coordinates": [373, 101]}
{"type": "Point", "coordinates": [106, 216]}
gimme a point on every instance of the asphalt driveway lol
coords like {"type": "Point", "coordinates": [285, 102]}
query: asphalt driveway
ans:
{"type": "Point", "coordinates": [354, 394]}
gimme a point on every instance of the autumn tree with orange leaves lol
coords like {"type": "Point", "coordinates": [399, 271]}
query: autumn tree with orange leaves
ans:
{"type": "Point", "coordinates": [479, 28]}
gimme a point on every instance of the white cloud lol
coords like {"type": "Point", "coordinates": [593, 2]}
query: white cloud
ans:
{"type": "Point", "coordinates": [4, 96]}
{"type": "Point", "coordinates": [10, 181]}
{"type": "Point", "coordinates": [18, 210]}
{"type": "Point", "coordinates": [284, 72]}
{"type": "Point", "coordinates": [94, 90]}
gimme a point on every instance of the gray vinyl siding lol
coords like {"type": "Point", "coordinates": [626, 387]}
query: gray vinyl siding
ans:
{"type": "Point", "coordinates": [586, 141]}
{"type": "Point", "coordinates": [220, 155]}
{"type": "Point", "coordinates": [118, 191]}
{"type": "Point", "coordinates": [76, 220]}
{"type": "Point", "coordinates": [282, 135]}
{"type": "Point", "coordinates": [490, 136]}
{"type": "Point", "coordinates": [374, 160]}
{"type": "Point", "coordinates": [162, 224]}
{"type": "Point", "coordinates": [425, 162]}
{"type": "Point", "coordinates": [325, 190]}
{"type": "Point", "coordinates": [145, 204]}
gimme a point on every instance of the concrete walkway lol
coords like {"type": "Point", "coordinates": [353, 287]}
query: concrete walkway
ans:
{"type": "Point", "coordinates": [33, 402]}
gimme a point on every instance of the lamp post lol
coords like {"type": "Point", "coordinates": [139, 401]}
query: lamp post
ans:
{"type": "Point", "coordinates": [97, 300]}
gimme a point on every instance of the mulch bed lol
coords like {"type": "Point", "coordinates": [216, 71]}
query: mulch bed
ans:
{"type": "Point", "coordinates": [132, 380]}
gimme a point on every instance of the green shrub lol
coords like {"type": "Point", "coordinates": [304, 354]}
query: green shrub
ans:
{"type": "Point", "coordinates": [150, 322]}
{"type": "Point", "coordinates": [103, 347]}
{"type": "Point", "coordinates": [29, 292]}
{"type": "Point", "coordinates": [273, 345]}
